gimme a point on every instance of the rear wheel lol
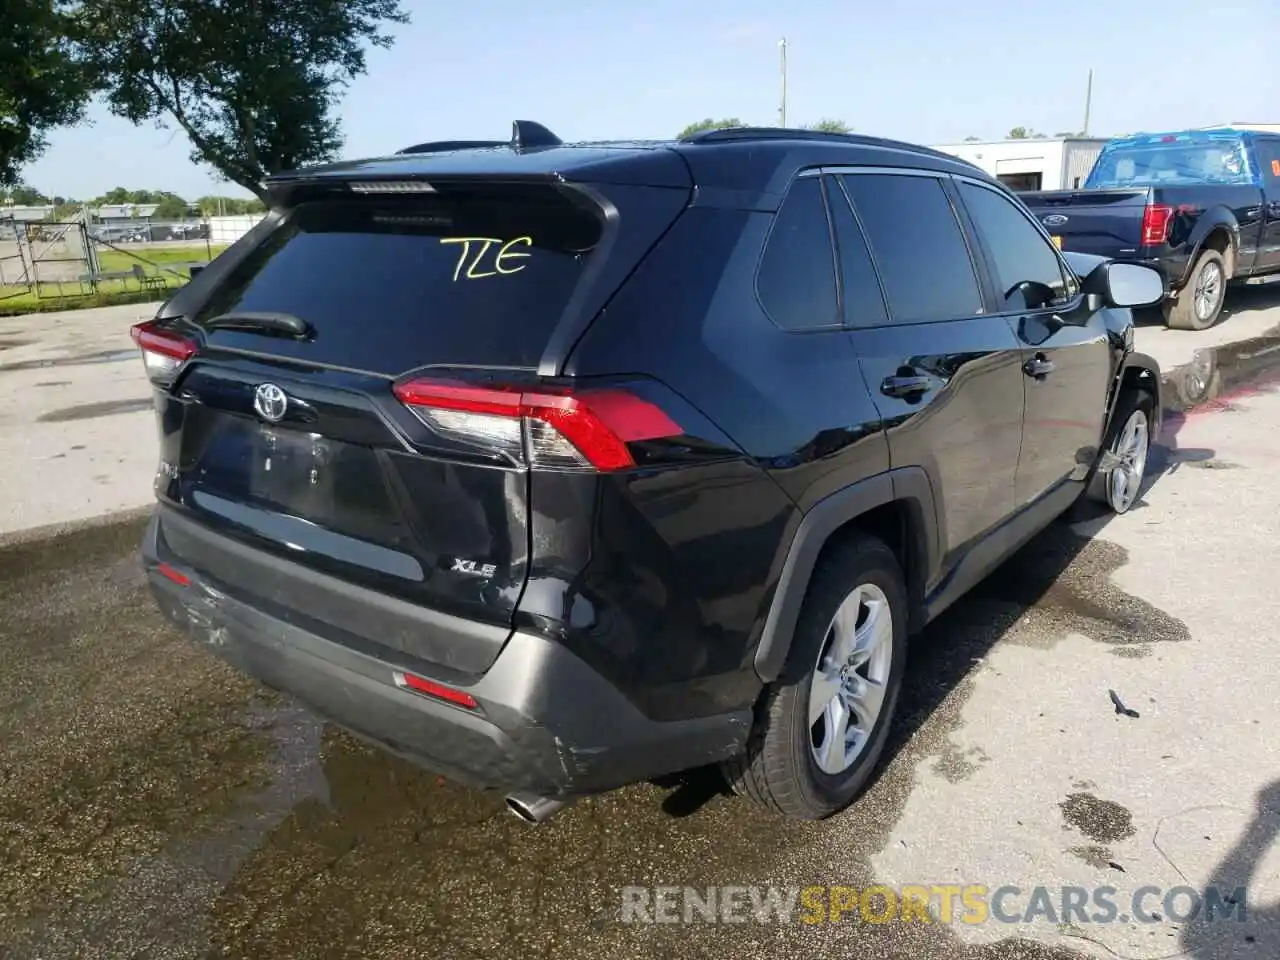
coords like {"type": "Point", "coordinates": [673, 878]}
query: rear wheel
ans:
{"type": "Point", "coordinates": [1118, 480]}
{"type": "Point", "coordinates": [820, 729]}
{"type": "Point", "coordinates": [1199, 303]}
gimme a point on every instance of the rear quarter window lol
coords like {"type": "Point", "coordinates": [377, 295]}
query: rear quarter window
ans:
{"type": "Point", "coordinates": [797, 278]}
{"type": "Point", "coordinates": [392, 283]}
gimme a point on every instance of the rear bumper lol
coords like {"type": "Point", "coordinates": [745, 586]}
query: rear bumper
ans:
{"type": "Point", "coordinates": [544, 721]}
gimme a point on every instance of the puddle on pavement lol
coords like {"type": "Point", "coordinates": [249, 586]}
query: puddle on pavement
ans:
{"type": "Point", "coordinates": [114, 736]}
{"type": "Point", "coordinates": [101, 356]}
{"type": "Point", "coordinates": [88, 411]}
{"type": "Point", "coordinates": [1215, 373]}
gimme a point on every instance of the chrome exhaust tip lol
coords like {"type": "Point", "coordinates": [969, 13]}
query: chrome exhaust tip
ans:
{"type": "Point", "coordinates": [534, 809]}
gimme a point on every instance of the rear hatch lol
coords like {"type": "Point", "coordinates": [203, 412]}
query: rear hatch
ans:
{"type": "Point", "coordinates": [1108, 223]}
{"type": "Point", "coordinates": [288, 427]}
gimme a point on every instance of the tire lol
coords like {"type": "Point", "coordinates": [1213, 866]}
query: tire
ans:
{"type": "Point", "coordinates": [1199, 304]}
{"type": "Point", "coordinates": [781, 768]}
{"type": "Point", "coordinates": [1132, 447]}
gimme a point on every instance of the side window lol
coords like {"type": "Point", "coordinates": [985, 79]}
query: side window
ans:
{"type": "Point", "coordinates": [863, 301]}
{"type": "Point", "coordinates": [1268, 151]}
{"type": "Point", "coordinates": [918, 246]}
{"type": "Point", "coordinates": [797, 278]}
{"type": "Point", "coordinates": [1028, 272]}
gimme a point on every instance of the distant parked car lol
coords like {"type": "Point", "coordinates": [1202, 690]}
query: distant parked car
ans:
{"type": "Point", "coordinates": [1201, 206]}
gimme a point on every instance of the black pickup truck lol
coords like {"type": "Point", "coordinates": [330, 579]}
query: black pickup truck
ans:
{"type": "Point", "coordinates": [1201, 206]}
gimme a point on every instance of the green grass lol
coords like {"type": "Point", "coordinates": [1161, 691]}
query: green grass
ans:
{"type": "Point", "coordinates": [16, 300]}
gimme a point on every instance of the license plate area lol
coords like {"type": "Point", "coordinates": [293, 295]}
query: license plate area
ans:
{"type": "Point", "coordinates": [340, 486]}
{"type": "Point", "coordinates": [1057, 241]}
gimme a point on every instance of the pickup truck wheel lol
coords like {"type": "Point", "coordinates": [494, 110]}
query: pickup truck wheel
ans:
{"type": "Point", "coordinates": [1200, 301]}
{"type": "Point", "coordinates": [1119, 478]}
{"type": "Point", "coordinates": [821, 727]}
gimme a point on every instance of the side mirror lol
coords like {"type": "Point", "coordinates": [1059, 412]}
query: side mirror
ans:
{"type": "Point", "coordinates": [1125, 284]}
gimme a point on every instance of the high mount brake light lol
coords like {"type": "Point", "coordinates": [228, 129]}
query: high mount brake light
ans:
{"type": "Point", "coordinates": [163, 351]}
{"type": "Point", "coordinates": [569, 429]}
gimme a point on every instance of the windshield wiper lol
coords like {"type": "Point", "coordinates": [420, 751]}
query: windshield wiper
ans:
{"type": "Point", "coordinates": [261, 321]}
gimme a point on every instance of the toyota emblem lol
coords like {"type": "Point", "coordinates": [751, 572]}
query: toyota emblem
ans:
{"type": "Point", "coordinates": [270, 402]}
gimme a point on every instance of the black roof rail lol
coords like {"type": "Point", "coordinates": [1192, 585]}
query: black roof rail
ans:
{"type": "Point", "coordinates": [525, 135]}
{"type": "Point", "coordinates": [441, 145]}
{"type": "Point", "coordinates": [726, 134]}
{"type": "Point", "coordinates": [731, 134]}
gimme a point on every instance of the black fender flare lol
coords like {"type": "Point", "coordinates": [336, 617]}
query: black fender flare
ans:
{"type": "Point", "coordinates": [1150, 376]}
{"type": "Point", "coordinates": [1215, 218]}
{"type": "Point", "coordinates": [911, 486]}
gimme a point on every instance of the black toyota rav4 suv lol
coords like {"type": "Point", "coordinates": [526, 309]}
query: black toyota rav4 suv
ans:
{"type": "Point", "coordinates": [558, 467]}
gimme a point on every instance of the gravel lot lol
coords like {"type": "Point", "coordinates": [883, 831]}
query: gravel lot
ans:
{"type": "Point", "coordinates": [155, 804]}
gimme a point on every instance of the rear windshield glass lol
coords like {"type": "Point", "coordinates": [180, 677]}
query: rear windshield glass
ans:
{"type": "Point", "coordinates": [1155, 164]}
{"type": "Point", "coordinates": [391, 283]}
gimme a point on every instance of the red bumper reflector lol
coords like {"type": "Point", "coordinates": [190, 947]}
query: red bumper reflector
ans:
{"type": "Point", "coordinates": [180, 579]}
{"type": "Point", "coordinates": [426, 687]}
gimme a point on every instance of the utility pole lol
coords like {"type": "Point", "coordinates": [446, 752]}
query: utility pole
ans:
{"type": "Point", "coordinates": [1088, 101]}
{"type": "Point", "coordinates": [782, 109]}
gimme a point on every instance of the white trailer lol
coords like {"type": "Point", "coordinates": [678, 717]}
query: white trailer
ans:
{"type": "Point", "coordinates": [1062, 163]}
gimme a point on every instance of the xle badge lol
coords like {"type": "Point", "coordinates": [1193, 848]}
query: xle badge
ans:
{"type": "Point", "coordinates": [474, 569]}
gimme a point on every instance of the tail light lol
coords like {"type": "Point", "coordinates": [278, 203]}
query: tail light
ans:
{"type": "Point", "coordinates": [562, 429]}
{"type": "Point", "coordinates": [163, 351]}
{"type": "Point", "coordinates": [1155, 224]}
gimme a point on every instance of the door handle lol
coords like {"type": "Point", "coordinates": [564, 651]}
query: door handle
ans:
{"type": "Point", "coordinates": [1038, 366]}
{"type": "Point", "coordinates": [906, 387]}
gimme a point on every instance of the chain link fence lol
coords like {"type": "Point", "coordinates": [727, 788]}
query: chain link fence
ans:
{"type": "Point", "coordinates": [41, 261]}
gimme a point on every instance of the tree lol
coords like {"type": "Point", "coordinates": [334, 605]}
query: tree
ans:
{"type": "Point", "coordinates": [253, 85]}
{"type": "Point", "coordinates": [27, 196]}
{"type": "Point", "coordinates": [170, 206]}
{"type": "Point", "coordinates": [830, 126]}
{"type": "Point", "coordinates": [709, 124]}
{"type": "Point", "coordinates": [42, 84]}
{"type": "Point", "coordinates": [972, 139]}
{"type": "Point", "coordinates": [228, 206]}
{"type": "Point", "coordinates": [1019, 133]}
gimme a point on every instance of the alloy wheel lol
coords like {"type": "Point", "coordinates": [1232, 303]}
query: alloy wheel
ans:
{"type": "Point", "coordinates": [1125, 482]}
{"type": "Point", "coordinates": [848, 689]}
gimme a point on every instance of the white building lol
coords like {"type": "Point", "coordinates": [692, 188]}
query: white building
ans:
{"type": "Point", "coordinates": [1033, 164]}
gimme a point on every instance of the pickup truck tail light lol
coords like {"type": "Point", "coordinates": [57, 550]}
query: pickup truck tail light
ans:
{"type": "Point", "coordinates": [1155, 224]}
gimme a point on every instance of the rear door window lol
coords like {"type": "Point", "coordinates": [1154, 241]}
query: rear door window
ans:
{"type": "Point", "coordinates": [917, 245]}
{"type": "Point", "coordinates": [797, 278]}
{"type": "Point", "coordinates": [392, 283]}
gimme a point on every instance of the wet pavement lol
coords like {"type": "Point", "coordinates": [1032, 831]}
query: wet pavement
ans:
{"type": "Point", "coordinates": [154, 803]}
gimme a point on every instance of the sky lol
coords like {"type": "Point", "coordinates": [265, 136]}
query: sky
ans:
{"type": "Point", "coordinates": [921, 71]}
